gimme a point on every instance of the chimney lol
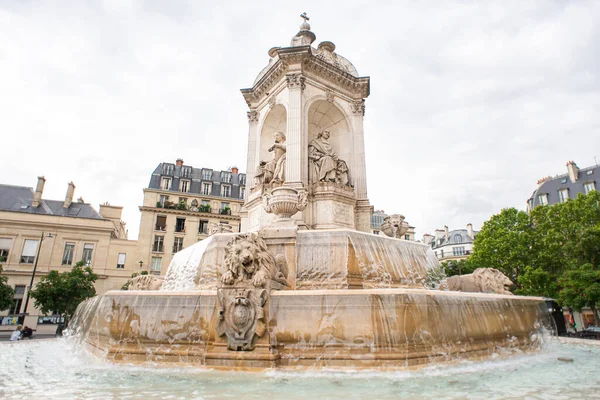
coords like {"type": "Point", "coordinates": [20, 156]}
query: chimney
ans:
{"type": "Point", "coordinates": [39, 189]}
{"type": "Point", "coordinates": [179, 162]}
{"type": "Point", "coordinates": [439, 233]}
{"type": "Point", "coordinates": [446, 232]}
{"type": "Point", "coordinates": [69, 195]}
{"type": "Point", "coordinates": [542, 180]}
{"type": "Point", "coordinates": [427, 238]}
{"type": "Point", "coordinates": [470, 231]}
{"type": "Point", "coordinates": [573, 171]}
{"type": "Point", "coordinates": [234, 170]}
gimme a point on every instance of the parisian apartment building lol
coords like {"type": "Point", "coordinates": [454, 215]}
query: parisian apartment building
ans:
{"type": "Point", "coordinates": [45, 235]}
{"type": "Point", "coordinates": [451, 245]}
{"type": "Point", "coordinates": [183, 205]}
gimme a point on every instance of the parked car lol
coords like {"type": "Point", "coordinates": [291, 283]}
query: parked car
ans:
{"type": "Point", "coordinates": [591, 332]}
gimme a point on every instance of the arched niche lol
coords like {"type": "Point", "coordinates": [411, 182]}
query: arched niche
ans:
{"type": "Point", "coordinates": [276, 120]}
{"type": "Point", "coordinates": [326, 115]}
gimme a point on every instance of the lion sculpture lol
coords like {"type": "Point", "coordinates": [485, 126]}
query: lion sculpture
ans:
{"type": "Point", "coordinates": [247, 260]}
{"type": "Point", "coordinates": [395, 226]}
{"type": "Point", "coordinates": [482, 280]}
{"type": "Point", "coordinates": [145, 282]}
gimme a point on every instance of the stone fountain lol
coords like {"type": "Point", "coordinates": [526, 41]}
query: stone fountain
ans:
{"type": "Point", "coordinates": [307, 284]}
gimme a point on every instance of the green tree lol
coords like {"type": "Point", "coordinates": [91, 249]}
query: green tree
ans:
{"type": "Point", "coordinates": [460, 267]}
{"type": "Point", "coordinates": [62, 292]}
{"type": "Point", "coordinates": [504, 243]}
{"type": "Point", "coordinates": [6, 292]}
{"type": "Point", "coordinates": [581, 288]}
{"type": "Point", "coordinates": [126, 285]}
{"type": "Point", "coordinates": [536, 281]}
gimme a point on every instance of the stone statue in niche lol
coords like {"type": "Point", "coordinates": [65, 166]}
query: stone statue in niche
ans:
{"type": "Point", "coordinates": [325, 166]}
{"type": "Point", "coordinates": [274, 169]}
{"type": "Point", "coordinates": [250, 272]}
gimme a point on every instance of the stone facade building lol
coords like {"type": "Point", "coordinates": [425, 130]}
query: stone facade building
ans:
{"type": "Point", "coordinates": [55, 235]}
{"type": "Point", "coordinates": [183, 205]}
{"type": "Point", "coordinates": [566, 186]}
{"type": "Point", "coordinates": [451, 245]}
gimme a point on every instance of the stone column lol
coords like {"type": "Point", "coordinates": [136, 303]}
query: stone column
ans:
{"type": "Point", "coordinates": [294, 153]}
{"type": "Point", "coordinates": [252, 162]}
{"type": "Point", "coordinates": [358, 173]}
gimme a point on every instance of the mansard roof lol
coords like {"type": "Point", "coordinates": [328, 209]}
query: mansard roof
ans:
{"type": "Point", "coordinates": [552, 186]}
{"type": "Point", "coordinates": [19, 199]}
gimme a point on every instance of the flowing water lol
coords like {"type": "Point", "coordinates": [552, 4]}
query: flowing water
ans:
{"type": "Point", "coordinates": [58, 369]}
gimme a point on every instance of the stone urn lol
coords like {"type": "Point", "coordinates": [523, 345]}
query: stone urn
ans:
{"type": "Point", "coordinates": [284, 202]}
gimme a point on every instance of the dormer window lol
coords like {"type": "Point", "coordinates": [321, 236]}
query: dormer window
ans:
{"type": "Point", "coordinates": [184, 185]}
{"type": "Point", "coordinates": [563, 195]}
{"type": "Point", "coordinates": [165, 184]}
{"type": "Point", "coordinates": [226, 177]}
{"type": "Point", "coordinates": [207, 175]}
{"type": "Point", "coordinates": [563, 180]}
{"type": "Point", "coordinates": [543, 199]}
{"type": "Point", "coordinates": [225, 191]}
{"type": "Point", "coordinates": [167, 169]}
{"type": "Point", "coordinates": [186, 172]}
{"type": "Point", "coordinates": [242, 179]}
{"type": "Point", "coordinates": [206, 189]}
{"type": "Point", "coordinates": [457, 239]}
{"type": "Point", "coordinates": [588, 187]}
{"type": "Point", "coordinates": [591, 171]}
{"type": "Point", "coordinates": [242, 192]}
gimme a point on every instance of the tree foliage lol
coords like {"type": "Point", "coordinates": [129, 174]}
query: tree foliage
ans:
{"type": "Point", "coordinates": [458, 267]}
{"type": "Point", "coordinates": [62, 292]}
{"type": "Point", "coordinates": [553, 252]}
{"type": "Point", "coordinates": [504, 243]}
{"type": "Point", "coordinates": [6, 292]}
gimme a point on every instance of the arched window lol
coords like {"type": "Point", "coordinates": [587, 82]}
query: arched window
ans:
{"type": "Point", "coordinates": [457, 238]}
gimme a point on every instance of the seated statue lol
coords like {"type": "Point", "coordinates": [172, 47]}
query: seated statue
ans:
{"type": "Point", "coordinates": [325, 166]}
{"type": "Point", "coordinates": [274, 169]}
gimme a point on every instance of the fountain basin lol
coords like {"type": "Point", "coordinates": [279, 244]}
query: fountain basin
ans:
{"type": "Point", "coordinates": [366, 328]}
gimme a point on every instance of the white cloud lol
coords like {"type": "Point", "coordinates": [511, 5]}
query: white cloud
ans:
{"type": "Point", "coordinates": [471, 102]}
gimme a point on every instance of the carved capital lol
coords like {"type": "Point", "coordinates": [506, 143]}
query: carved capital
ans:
{"type": "Point", "coordinates": [252, 116]}
{"type": "Point", "coordinates": [358, 107]}
{"type": "Point", "coordinates": [295, 81]}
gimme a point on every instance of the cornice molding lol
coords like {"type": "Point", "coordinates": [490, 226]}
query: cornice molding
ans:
{"type": "Point", "coordinates": [190, 213]}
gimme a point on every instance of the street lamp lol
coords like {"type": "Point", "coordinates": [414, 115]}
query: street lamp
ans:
{"type": "Point", "coordinates": [37, 256]}
{"type": "Point", "coordinates": [141, 263]}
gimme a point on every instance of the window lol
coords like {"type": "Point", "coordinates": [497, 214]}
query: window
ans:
{"type": "Point", "coordinates": [457, 238]}
{"type": "Point", "coordinates": [29, 250]}
{"type": "Point", "coordinates": [185, 172]}
{"type": "Point", "coordinates": [161, 223]}
{"type": "Point", "coordinates": [180, 225]}
{"type": "Point", "coordinates": [158, 244]}
{"type": "Point", "coordinates": [184, 186]}
{"type": "Point", "coordinates": [587, 187]}
{"type": "Point", "coordinates": [167, 169]}
{"type": "Point", "coordinates": [207, 175]}
{"type": "Point", "coordinates": [163, 199]}
{"type": "Point", "coordinates": [206, 188]}
{"type": "Point", "coordinates": [563, 180]}
{"type": "Point", "coordinates": [543, 199]}
{"type": "Point", "coordinates": [376, 232]}
{"type": "Point", "coordinates": [242, 192]}
{"type": "Point", "coordinates": [121, 260]}
{"type": "Point", "coordinates": [225, 210]}
{"type": "Point", "coordinates": [177, 244]}
{"type": "Point", "coordinates": [226, 191]}
{"type": "Point", "coordinates": [68, 253]}
{"type": "Point", "coordinates": [17, 299]}
{"type": "Point", "coordinates": [563, 195]}
{"type": "Point", "coordinates": [458, 251]}
{"type": "Point", "coordinates": [242, 179]}
{"type": "Point", "coordinates": [203, 227]}
{"type": "Point", "coordinates": [165, 184]}
{"type": "Point", "coordinates": [591, 171]}
{"type": "Point", "coordinates": [406, 237]}
{"type": "Point", "coordinates": [5, 245]}
{"type": "Point", "coordinates": [226, 177]}
{"type": "Point", "coordinates": [155, 265]}
{"type": "Point", "coordinates": [442, 253]}
{"type": "Point", "coordinates": [88, 250]}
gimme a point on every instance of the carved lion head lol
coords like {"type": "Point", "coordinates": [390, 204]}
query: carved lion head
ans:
{"type": "Point", "coordinates": [246, 256]}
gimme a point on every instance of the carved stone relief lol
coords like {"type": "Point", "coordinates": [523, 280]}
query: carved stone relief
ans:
{"type": "Point", "coordinates": [250, 273]}
{"type": "Point", "coordinates": [358, 107]}
{"type": "Point", "coordinates": [295, 81]}
{"type": "Point", "coordinates": [219, 228]}
{"type": "Point", "coordinates": [395, 226]}
{"type": "Point", "coordinates": [252, 116]}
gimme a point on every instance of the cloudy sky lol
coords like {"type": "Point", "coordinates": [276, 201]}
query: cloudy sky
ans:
{"type": "Point", "coordinates": [471, 102]}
